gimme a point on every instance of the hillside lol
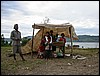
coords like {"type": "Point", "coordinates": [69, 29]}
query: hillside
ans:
{"type": "Point", "coordinates": [86, 38]}
{"type": "Point", "coordinates": [89, 38]}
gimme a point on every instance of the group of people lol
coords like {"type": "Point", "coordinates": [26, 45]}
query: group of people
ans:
{"type": "Point", "coordinates": [46, 48]}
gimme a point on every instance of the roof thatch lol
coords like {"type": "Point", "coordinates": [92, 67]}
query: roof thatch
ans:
{"type": "Point", "coordinates": [57, 29]}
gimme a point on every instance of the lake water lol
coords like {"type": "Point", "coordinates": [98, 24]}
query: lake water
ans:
{"type": "Point", "coordinates": [85, 44]}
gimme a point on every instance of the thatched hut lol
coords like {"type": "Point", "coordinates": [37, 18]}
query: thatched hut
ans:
{"type": "Point", "coordinates": [33, 44]}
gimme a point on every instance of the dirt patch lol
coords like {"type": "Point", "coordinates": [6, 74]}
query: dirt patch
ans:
{"type": "Point", "coordinates": [54, 66]}
{"type": "Point", "coordinates": [88, 66]}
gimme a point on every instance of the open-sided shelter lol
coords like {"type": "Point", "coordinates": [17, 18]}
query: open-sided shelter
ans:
{"type": "Point", "coordinates": [33, 44]}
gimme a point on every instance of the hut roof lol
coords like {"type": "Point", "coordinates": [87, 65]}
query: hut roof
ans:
{"type": "Point", "coordinates": [57, 29]}
{"type": "Point", "coordinates": [39, 26]}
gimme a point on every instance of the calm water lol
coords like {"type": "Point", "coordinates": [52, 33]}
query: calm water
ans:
{"type": "Point", "coordinates": [85, 44]}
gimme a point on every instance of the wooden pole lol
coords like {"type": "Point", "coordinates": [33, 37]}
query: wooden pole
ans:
{"type": "Point", "coordinates": [42, 32]}
{"type": "Point", "coordinates": [32, 43]}
{"type": "Point", "coordinates": [71, 35]}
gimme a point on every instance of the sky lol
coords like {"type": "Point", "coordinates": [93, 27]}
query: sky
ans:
{"type": "Point", "coordinates": [83, 15]}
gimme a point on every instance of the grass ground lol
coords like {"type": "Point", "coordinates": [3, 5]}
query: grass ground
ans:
{"type": "Point", "coordinates": [55, 66]}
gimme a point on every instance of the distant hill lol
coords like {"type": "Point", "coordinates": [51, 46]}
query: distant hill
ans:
{"type": "Point", "coordinates": [82, 38]}
{"type": "Point", "coordinates": [29, 37]}
{"type": "Point", "coordinates": [7, 39]}
{"type": "Point", "coordinates": [86, 38]}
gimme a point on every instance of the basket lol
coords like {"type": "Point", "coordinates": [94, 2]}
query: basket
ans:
{"type": "Point", "coordinates": [60, 43]}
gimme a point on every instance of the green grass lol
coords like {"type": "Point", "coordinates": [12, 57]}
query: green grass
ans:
{"type": "Point", "coordinates": [82, 51]}
{"type": "Point", "coordinates": [9, 66]}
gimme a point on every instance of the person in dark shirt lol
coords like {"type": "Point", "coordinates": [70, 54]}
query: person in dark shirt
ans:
{"type": "Point", "coordinates": [53, 39]}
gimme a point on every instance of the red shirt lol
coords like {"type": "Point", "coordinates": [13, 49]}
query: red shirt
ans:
{"type": "Point", "coordinates": [42, 47]}
{"type": "Point", "coordinates": [62, 39]}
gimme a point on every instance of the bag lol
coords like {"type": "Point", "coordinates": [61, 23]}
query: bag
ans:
{"type": "Point", "coordinates": [59, 55]}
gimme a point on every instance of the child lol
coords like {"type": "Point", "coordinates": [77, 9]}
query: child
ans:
{"type": "Point", "coordinates": [40, 52]}
{"type": "Point", "coordinates": [41, 48]}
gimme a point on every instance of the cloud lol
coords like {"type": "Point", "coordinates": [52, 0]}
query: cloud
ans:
{"type": "Point", "coordinates": [82, 23]}
{"type": "Point", "coordinates": [83, 15]}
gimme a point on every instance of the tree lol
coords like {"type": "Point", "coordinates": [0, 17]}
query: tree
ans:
{"type": "Point", "coordinates": [24, 41]}
{"type": "Point", "coordinates": [10, 43]}
{"type": "Point", "coordinates": [6, 42]}
{"type": "Point", "coordinates": [2, 40]}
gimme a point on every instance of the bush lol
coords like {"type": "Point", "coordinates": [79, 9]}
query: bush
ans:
{"type": "Point", "coordinates": [24, 41]}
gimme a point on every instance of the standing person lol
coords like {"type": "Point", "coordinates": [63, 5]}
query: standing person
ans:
{"type": "Point", "coordinates": [56, 38]}
{"type": "Point", "coordinates": [53, 39]}
{"type": "Point", "coordinates": [48, 46]}
{"type": "Point", "coordinates": [64, 40]}
{"type": "Point", "coordinates": [16, 38]}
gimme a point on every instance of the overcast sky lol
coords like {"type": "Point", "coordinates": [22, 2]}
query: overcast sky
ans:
{"type": "Point", "coordinates": [83, 15]}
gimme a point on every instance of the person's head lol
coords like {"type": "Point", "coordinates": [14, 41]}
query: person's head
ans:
{"type": "Point", "coordinates": [51, 31]}
{"type": "Point", "coordinates": [47, 33]}
{"type": "Point", "coordinates": [62, 35]}
{"type": "Point", "coordinates": [16, 26]}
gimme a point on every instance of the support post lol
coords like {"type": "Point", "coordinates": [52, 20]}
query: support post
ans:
{"type": "Point", "coordinates": [42, 32]}
{"type": "Point", "coordinates": [32, 43]}
{"type": "Point", "coordinates": [71, 38]}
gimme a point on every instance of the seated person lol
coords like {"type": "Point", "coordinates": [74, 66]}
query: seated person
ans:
{"type": "Point", "coordinates": [64, 40]}
{"type": "Point", "coordinates": [41, 48]}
